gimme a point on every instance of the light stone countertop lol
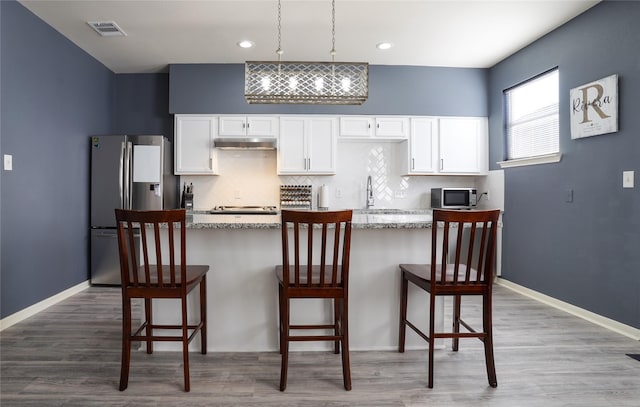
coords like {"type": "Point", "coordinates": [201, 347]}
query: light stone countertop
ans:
{"type": "Point", "coordinates": [362, 219]}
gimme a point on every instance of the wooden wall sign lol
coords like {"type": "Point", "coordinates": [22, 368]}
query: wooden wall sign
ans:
{"type": "Point", "coordinates": [594, 108]}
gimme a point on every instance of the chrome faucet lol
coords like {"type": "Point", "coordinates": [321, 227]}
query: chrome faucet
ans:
{"type": "Point", "coordinates": [370, 200]}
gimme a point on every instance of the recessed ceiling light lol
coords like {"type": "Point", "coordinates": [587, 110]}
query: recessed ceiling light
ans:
{"type": "Point", "coordinates": [246, 44]}
{"type": "Point", "coordinates": [384, 45]}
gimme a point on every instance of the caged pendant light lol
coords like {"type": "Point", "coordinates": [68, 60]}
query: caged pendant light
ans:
{"type": "Point", "coordinates": [322, 83]}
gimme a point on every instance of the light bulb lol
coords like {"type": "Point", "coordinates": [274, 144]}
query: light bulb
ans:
{"type": "Point", "coordinates": [293, 82]}
{"type": "Point", "coordinates": [346, 84]}
{"type": "Point", "coordinates": [266, 83]}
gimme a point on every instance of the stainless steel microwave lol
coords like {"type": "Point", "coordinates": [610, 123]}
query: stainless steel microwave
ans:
{"type": "Point", "coordinates": [454, 198]}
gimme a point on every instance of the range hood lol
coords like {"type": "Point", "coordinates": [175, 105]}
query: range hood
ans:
{"type": "Point", "coordinates": [246, 143]}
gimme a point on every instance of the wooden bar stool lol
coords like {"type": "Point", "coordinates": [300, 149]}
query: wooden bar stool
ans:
{"type": "Point", "coordinates": [309, 279]}
{"type": "Point", "coordinates": [157, 280]}
{"type": "Point", "coordinates": [464, 268]}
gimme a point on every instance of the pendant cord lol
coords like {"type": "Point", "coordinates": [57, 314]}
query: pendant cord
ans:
{"type": "Point", "coordinates": [333, 30]}
{"type": "Point", "coordinates": [279, 50]}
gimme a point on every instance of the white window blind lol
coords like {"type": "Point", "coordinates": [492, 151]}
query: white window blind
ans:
{"type": "Point", "coordinates": [532, 120]}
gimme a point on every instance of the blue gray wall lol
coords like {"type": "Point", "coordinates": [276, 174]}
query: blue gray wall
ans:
{"type": "Point", "coordinates": [53, 96]}
{"type": "Point", "coordinates": [140, 105]}
{"type": "Point", "coordinates": [406, 90]}
{"type": "Point", "coordinates": [586, 252]}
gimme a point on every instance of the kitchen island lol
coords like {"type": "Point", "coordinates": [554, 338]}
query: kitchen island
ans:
{"type": "Point", "coordinates": [242, 251]}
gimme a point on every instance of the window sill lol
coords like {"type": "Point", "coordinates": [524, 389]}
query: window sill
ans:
{"type": "Point", "coordinates": [541, 159]}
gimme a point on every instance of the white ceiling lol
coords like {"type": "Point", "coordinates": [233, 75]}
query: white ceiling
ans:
{"type": "Point", "coordinates": [472, 33]}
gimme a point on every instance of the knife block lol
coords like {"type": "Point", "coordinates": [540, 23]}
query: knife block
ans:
{"type": "Point", "coordinates": [187, 201]}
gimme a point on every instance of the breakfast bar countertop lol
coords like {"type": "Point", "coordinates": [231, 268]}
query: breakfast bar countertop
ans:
{"type": "Point", "coordinates": [362, 219]}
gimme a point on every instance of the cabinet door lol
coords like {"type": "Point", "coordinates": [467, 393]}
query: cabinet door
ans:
{"type": "Point", "coordinates": [356, 127]}
{"type": "Point", "coordinates": [321, 147]}
{"type": "Point", "coordinates": [460, 145]}
{"type": "Point", "coordinates": [292, 157]}
{"type": "Point", "coordinates": [260, 126]}
{"type": "Point", "coordinates": [194, 153]}
{"type": "Point", "coordinates": [422, 147]}
{"type": "Point", "coordinates": [233, 126]}
{"type": "Point", "coordinates": [392, 127]}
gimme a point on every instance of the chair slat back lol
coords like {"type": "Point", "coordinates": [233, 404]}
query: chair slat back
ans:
{"type": "Point", "coordinates": [465, 252]}
{"type": "Point", "coordinates": [143, 229]}
{"type": "Point", "coordinates": [333, 250]}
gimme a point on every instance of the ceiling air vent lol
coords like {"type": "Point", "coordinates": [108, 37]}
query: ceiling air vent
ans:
{"type": "Point", "coordinates": [107, 28]}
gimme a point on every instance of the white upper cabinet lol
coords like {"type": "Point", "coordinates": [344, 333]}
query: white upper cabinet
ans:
{"type": "Point", "coordinates": [422, 146]}
{"type": "Point", "coordinates": [322, 145]}
{"type": "Point", "coordinates": [374, 128]}
{"type": "Point", "coordinates": [463, 145]}
{"type": "Point", "coordinates": [292, 154]}
{"type": "Point", "coordinates": [356, 127]}
{"type": "Point", "coordinates": [193, 145]}
{"type": "Point", "coordinates": [446, 146]}
{"type": "Point", "coordinates": [392, 127]}
{"type": "Point", "coordinates": [248, 126]}
{"type": "Point", "coordinates": [307, 145]}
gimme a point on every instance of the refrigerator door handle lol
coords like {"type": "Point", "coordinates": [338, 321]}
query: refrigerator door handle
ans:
{"type": "Point", "coordinates": [121, 174]}
{"type": "Point", "coordinates": [127, 176]}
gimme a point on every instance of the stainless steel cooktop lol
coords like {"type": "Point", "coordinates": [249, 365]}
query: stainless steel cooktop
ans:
{"type": "Point", "coordinates": [244, 210]}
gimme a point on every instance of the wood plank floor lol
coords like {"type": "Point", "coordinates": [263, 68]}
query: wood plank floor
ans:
{"type": "Point", "coordinates": [69, 355]}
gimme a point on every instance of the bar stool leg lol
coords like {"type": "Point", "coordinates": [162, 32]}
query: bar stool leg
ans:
{"type": "Point", "coordinates": [403, 312]}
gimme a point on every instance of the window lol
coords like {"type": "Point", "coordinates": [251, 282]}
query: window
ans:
{"type": "Point", "coordinates": [532, 120]}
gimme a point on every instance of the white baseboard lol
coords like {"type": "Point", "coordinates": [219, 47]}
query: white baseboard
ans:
{"type": "Point", "coordinates": [42, 305]}
{"type": "Point", "coordinates": [623, 329]}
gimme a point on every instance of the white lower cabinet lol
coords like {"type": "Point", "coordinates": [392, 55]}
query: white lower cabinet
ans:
{"type": "Point", "coordinates": [307, 145]}
{"type": "Point", "coordinates": [194, 153]}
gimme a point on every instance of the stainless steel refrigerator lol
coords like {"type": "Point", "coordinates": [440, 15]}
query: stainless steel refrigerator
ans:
{"type": "Point", "coordinates": [130, 172]}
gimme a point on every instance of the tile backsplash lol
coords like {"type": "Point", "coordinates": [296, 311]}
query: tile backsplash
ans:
{"type": "Point", "coordinates": [248, 177]}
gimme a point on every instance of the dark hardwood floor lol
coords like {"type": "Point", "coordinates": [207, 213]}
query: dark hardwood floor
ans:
{"type": "Point", "coordinates": [69, 355]}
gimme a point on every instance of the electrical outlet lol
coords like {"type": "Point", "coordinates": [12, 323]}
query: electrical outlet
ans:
{"type": "Point", "coordinates": [236, 194]}
{"type": "Point", "coordinates": [8, 162]}
{"type": "Point", "coordinates": [627, 179]}
{"type": "Point", "coordinates": [338, 193]}
{"type": "Point", "coordinates": [487, 195]}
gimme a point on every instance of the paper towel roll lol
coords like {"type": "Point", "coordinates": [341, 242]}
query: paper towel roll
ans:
{"type": "Point", "coordinates": [323, 197]}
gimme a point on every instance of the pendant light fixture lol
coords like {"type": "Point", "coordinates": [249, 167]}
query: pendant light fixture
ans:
{"type": "Point", "coordinates": [325, 83]}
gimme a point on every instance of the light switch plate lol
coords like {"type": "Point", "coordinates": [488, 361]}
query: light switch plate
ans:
{"type": "Point", "coordinates": [8, 162]}
{"type": "Point", "coordinates": [627, 179]}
